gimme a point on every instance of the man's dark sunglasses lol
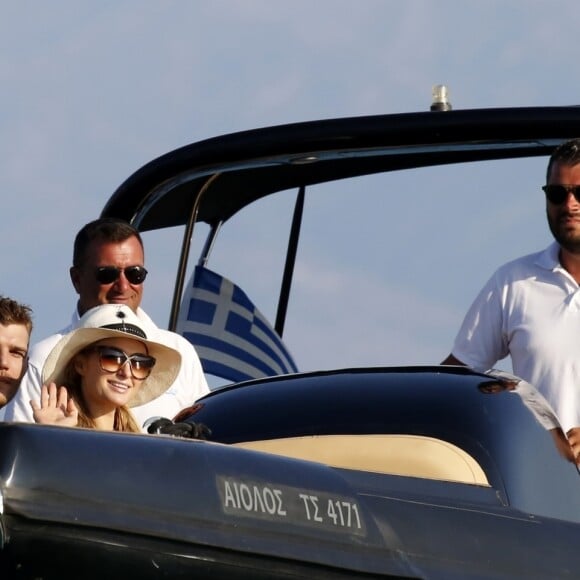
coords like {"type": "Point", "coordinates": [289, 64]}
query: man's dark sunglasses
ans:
{"type": "Point", "coordinates": [110, 274]}
{"type": "Point", "coordinates": [558, 194]}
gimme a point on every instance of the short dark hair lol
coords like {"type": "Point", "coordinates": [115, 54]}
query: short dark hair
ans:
{"type": "Point", "coordinates": [567, 153]}
{"type": "Point", "coordinates": [110, 230]}
{"type": "Point", "coordinates": [12, 312]}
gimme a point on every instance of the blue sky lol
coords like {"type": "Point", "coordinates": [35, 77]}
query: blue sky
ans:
{"type": "Point", "coordinates": [92, 90]}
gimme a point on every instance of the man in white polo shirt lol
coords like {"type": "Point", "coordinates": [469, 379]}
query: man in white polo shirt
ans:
{"type": "Point", "coordinates": [108, 268]}
{"type": "Point", "coordinates": [530, 307]}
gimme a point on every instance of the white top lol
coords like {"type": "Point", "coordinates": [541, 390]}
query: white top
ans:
{"type": "Point", "coordinates": [189, 385]}
{"type": "Point", "coordinates": [529, 309]}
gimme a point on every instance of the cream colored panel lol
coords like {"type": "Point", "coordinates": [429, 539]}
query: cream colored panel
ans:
{"type": "Point", "coordinates": [409, 455]}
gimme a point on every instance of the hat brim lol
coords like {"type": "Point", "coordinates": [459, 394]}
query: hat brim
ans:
{"type": "Point", "coordinates": [165, 371]}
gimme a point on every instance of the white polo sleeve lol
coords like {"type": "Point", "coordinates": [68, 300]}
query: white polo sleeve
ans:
{"type": "Point", "coordinates": [481, 340]}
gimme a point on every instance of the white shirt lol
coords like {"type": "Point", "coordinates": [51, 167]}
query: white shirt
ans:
{"type": "Point", "coordinates": [529, 309]}
{"type": "Point", "coordinates": [189, 385]}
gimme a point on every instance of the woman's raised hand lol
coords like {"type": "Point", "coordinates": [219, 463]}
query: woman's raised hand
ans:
{"type": "Point", "coordinates": [55, 407]}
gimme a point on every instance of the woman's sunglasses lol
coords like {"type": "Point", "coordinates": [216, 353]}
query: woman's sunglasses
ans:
{"type": "Point", "coordinates": [558, 194]}
{"type": "Point", "coordinates": [112, 359]}
{"type": "Point", "coordinates": [110, 274]}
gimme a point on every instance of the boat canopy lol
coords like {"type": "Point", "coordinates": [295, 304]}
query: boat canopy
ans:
{"type": "Point", "coordinates": [216, 178]}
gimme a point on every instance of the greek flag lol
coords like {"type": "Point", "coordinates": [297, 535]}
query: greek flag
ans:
{"type": "Point", "coordinates": [231, 336]}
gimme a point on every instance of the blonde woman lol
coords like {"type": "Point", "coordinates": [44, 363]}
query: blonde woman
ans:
{"type": "Point", "coordinates": [98, 371]}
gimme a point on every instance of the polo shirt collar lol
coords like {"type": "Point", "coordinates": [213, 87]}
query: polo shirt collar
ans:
{"type": "Point", "coordinates": [549, 258]}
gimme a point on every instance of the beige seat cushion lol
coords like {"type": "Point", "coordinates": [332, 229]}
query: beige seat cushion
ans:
{"type": "Point", "coordinates": [409, 455]}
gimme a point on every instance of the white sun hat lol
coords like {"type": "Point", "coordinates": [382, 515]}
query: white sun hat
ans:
{"type": "Point", "coordinates": [114, 321]}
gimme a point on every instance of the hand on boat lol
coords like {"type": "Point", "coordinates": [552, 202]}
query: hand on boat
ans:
{"type": "Point", "coordinates": [163, 426]}
{"type": "Point", "coordinates": [573, 436]}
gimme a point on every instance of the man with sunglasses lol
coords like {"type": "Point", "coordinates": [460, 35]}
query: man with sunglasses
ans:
{"type": "Point", "coordinates": [530, 308]}
{"type": "Point", "coordinates": [108, 268]}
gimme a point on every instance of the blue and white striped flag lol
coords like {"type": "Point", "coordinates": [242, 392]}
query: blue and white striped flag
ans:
{"type": "Point", "coordinates": [231, 336]}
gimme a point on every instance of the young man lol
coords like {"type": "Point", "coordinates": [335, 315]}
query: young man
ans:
{"type": "Point", "coordinates": [108, 268]}
{"type": "Point", "coordinates": [15, 330]}
{"type": "Point", "coordinates": [530, 307]}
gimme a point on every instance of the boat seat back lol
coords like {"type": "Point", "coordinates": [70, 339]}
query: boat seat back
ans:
{"type": "Point", "coordinates": [406, 455]}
